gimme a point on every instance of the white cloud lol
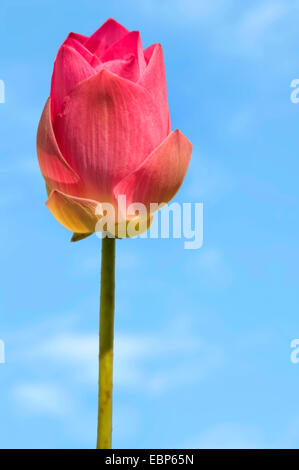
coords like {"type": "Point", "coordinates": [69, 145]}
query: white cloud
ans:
{"type": "Point", "coordinates": [157, 362]}
{"type": "Point", "coordinates": [257, 21]}
{"type": "Point", "coordinates": [153, 362]}
{"type": "Point", "coordinates": [228, 436]}
{"type": "Point", "coordinates": [256, 32]}
{"type": "Point", "coordinates": [78, 350]}
{"type": "Point", "coordinates": [181, 10]}
{"type": "Point", "coordinates": [199, 9]}
{"type": "Point", "coordinates": [41, 398]}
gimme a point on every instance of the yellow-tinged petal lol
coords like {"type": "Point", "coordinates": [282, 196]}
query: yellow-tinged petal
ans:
{"type": "Point", "coordinates": [86, 216]}
{"type": "Point", "coordinates": [75, 213]}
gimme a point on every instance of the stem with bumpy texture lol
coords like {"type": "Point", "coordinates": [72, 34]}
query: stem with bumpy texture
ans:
{"type": "Point", "coordinates": [106, 344]}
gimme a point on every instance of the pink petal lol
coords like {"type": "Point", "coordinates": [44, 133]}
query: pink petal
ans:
{"type": "Point", "coordinates": [148, 52]}
{"type": "Point", "coordinates": [78, 37]}
{"type": "Point", "coordinates": [70, 68]}
{"type": "Point", "coordinates": [56, 171]}
{"type": "Point", "coordinates": [107, 34]}
{"type": "Point", "coordinates": [108, 127]}
{"type": "Point", "coordinates": [127, 68]}
{"type": "Point", "coordinates": [79, 47]}
{"type": "Point", "coordinates": [130, 44]}
{"type": "Point", "coordinates": [74, 213]}
{"type": "Point", "coordinates": [160, 176]}
{"type": "Point", "coordinates": [154, 80]}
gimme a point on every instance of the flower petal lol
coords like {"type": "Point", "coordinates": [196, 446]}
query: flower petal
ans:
{"type": "Point", "coordinates": [130, 44]}
{"type": "Point", "coordinates": [78, 37]}
{"type": "Point", "coordinates": [74, 213]}
{"type": "Point", "coordinates": [107, 34]}
{"type": "Point", "coordinates": [148, 52]}
{"type": "Point", "coordinates": [79, 236]}
{"type": "Point", "coordinates": [125, 68]}
{"type": "Point", "coordinates": [108, 127]}
{"type": "Point", "coordinates": [70, 68]}
{"type": "Point", "coordinates": [154, 80]}
{"type": "Point", "coordinates": [79, 47]}
{"type": "Point", "coordinates": [160, 176]}
{"type": "Point", "coordinates": [56, 171]}
{"type": "Point", "coordinates": [81, 216]}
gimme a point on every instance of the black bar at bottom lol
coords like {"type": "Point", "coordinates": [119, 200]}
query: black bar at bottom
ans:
{"type": "Point", "coordinates": [147, 457]}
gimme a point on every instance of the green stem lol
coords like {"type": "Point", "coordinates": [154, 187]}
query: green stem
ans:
{"type": "Point", "coordinates": [106, 344]}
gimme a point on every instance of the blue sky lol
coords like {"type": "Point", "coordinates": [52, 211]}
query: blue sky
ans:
{"type": "Point", "coordinates": [202, 337]}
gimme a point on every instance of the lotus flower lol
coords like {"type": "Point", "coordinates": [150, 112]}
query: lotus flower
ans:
{"type": "Point", "coordinates": [105, 129]}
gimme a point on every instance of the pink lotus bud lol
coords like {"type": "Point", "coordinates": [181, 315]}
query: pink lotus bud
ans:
{"type": "Point", "coordinates": [105, 130]}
